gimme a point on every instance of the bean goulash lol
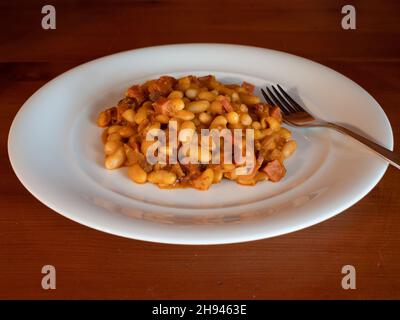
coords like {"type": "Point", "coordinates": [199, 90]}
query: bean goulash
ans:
{"type": "Point", "coordinates": [194, 103]}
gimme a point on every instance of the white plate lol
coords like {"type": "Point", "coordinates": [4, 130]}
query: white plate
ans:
{"type": "Point", "coordinates": [55, 149]}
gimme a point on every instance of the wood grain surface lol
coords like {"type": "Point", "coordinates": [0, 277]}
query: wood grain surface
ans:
{"type": "Point", "coordinates": [301, 265]}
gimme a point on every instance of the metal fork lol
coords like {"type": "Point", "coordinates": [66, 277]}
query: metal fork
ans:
{"type": "Point", "coordinates": [294, 114]}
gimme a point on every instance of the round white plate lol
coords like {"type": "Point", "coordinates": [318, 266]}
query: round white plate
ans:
{"type": "Point", "coordinates": [55, 149]}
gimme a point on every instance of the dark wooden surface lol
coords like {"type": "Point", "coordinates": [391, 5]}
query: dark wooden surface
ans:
{"type": "Point", "coordinates": [304, 264]}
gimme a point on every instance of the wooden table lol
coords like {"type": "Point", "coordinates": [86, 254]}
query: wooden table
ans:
{"type": "Point", "coordinates": [305, 264]}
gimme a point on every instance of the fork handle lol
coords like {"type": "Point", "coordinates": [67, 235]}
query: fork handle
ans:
{"type": "Point", "coordinates": [390, 156]}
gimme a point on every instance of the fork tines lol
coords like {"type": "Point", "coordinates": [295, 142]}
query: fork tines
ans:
{"type": "Point", "coordinates": [281, 99]}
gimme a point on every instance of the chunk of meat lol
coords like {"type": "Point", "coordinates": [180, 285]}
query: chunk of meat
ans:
{"type": "Point", "coordinates": [259, 107]}
{"type": "Point", "coordinates": [226, 104]}
{"type": "Point", "coordinates": [204, 80]}
{"type": "Point", "coordinates": [136, 92]}
{"type": "Point", "coordinates": [160, 87]}
{"type": "Point", "coordinates": [276, 113]}
{"type": "Point", "coordinates": [207, 81]}
{"type": "Point", "coordinates": [163, 106]}
{"type": "Point", "coordinates": [274, 170]}
{"type": "Point", "coordinates": [248, 86]}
